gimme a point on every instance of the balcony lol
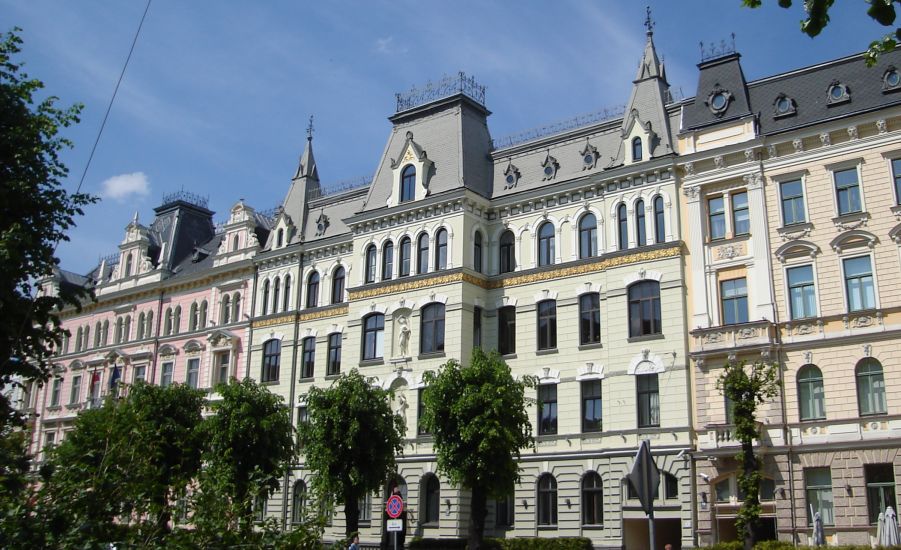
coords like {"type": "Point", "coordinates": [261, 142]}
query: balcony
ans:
{"type": "Point", "coordinates": [755, 335]}
{"type": "Point", "coordinates": [722, 436]}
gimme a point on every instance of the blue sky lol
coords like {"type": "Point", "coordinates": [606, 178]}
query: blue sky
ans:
{"type": "Point", "coordinates": [217, 94]}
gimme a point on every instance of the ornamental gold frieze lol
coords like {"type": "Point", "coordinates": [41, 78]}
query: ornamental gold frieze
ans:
{"type": "Point", "coordinates": [284, 319]}
{"type": "Point", "coordinates": [363, 293]}
{"type": "Point", "coordinates": [322, 314]}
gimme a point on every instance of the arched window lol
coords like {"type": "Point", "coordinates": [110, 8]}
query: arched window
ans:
{"type": "Point", "coordinates": [441, 250]}
{"type": "Point", "coordinates": [588, 236]}
{"type": "Point", "coordinates": [265, 296]}
{"type": "Point", "coordinates": [373, 336]}
{"type": "Point", "coordinates": [126, 334]}
{"type": "Point", "coordinates": [313, 289]}
{"type": "Point", "coordinates": [104, 336]}
{"type": "Point", "coordinates": [97, 331]}
{"type": "Point", "coordinates": [592, 499]}
{"type": "Point", "coordinates": [308, 357]}
{"type": "Point", "coordinates": [431, 333]}
{"type": "Point", "coordinates": [192, 317]}
{"type": "Point", "coordinates": [870, 387]}
{"type": "Point", "coordinates": [408, 184]}
{"type": "Point", "coordinates": [622, 227]}
{"type": "Point", "coordinates": [286, 304]}
{"type": "Point", "coordinates": [176, 321]}
{"type": "Point", "coordinates": [644, 309]}
{"type": "Point", "coordinates": [507, 254]}
{"type": "Point", "coordinates": [338, 286]}
{"type": "Point", "coordinates": [590, 318]}
{"type": "Point", "coordinates": [279, 238]}
{"type": "Point", "coordinates": [811, 396]}
{"type": "Point", "coordinates": [477, 252]}
{"type": "Point", "coordinates": [236, 307]}
{"type": "Point", "coordinates": [405, 257]}
{"type": "Point", "coordinates": [272, 351]}
{"type": "Point", "coordinates": [148, 332]}
{"type": "Point", "coordinates": [128, 265]}
{"type": "Point", "coordinates": [141, 324]}
{"type": "Point", "coordinates": [387, 261]}
{"type": "Point", "coordinates": [203, 314]}
{"type": "Point", "coordinates": [235, 242]}
{"type": "Point", "coordinates": [546, 244]}
{"type": "Point", "coordinates": [369, 269]}
{"type": "Point", "coordinates": [78, 339]}
{"type": "Point", "coordinates": [659, 221]}
{"type": "Point", "coordinates": [636, 149]}
{"type": "Point", "coordinates": [422, 254]}
{"type": "Point", "coordinates": [640, 234]}
{"type": "Point", "coordinates": [547, 500]}
{"type": "Point", "coordinates": [547, 324]}
{"type": "Point", "coordinates": [298, 502]}
{"type": "Point", "coordinates": [276, 290]}
{"type": "Point", "coordinates": [119, 322]}
{"type": "Point", "coordinates": [432, 500]}
{"type": "Point", "coordinates": [225, 316]}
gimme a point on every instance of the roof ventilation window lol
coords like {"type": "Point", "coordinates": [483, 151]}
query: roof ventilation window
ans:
{"type": "Point", "coordinates": [784, 106]}
{"type": "Point", "coordinates": [838, 93]}
{"type": "Point", "coordinates": [718, 101]}
{"type": "Point", "coordinates": [511, 175]}
{"type": "Point", "coordinates": [891, 80]}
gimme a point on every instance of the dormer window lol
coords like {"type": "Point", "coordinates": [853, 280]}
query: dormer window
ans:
{"type": "Point", "coordinates": [783, 106]}
{"type": "Point", "coordinates": [891, 80]}
{"type": "Point", "coordinates": [408, 184]}
{"type": "Point", "coordinates": [128, 265]}
{"type": "Point", "coordinates": [838, 93]}
{"type": "Point", "coordinates": [235, 243]}
{"type": "Point", "coordinates": [636, 149]}
{"type": "Point", "coordinates": [718, 101]}
{"type": "Point", "coordinates": [279, 238]}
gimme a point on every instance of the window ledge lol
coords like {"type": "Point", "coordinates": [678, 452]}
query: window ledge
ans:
{"type": "Point", "coordinates": [508, 356]}
{"type": "Point", "coordinates": [54, 407]}
{"type": "Point", "coordinates": [547, 527]}
{"type": "Point", "coordinates": [589, 433]}
{"type": "Point", "coordinates": [372, 362]}
{"type": "Point", "coordinates": [645, 338]}
{"type": "Point", "coordinates": [896, 210]}
{"type": "Point", "coordinates": [549, 351]}
{"type": "Point", "coordinates": [429, 524]}
{"type": "Point", "coordinates": [269, 383]}
{"type": "Point", "coordinates": [431, 355]}
{"type": "Point", "coordinates": [795, 230]}
{"type": "Point", "coordinates": [593, 526]}
{"type": "Point", "coordinates": [851, 220]}
{"type": "Point", "coordinates": [307, 379]}
{"type": "Point", "coordinates": [333, 376]}
{"type": "Point", "coordinates": [595, 345]}
{"type": "Point", "coordinates": [649, 427]}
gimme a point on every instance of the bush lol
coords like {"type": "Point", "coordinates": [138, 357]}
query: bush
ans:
{"type": "Point", "coordinates": [732, 545]}
{"type": "Point", "coordinates": [568, 543]}
{"type": "Point", "coordinates": [773, 545]}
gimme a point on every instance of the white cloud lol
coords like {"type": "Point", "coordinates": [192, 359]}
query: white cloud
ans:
{"type": "Point", "coordinates": [125, 186]}
{"type": "Point", "coordinates": [386, 45]}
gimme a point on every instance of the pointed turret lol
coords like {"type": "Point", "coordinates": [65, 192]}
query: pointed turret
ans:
{"type": "Point", "coordinates": [304, 185]}
{"type": "Point", "coordinates": [307, 166]}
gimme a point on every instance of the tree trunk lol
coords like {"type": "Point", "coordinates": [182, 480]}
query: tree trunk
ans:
{"type": "Point", "coordinates": [477, 512]}
{"type": "Point", "coordinates": [749, 466]}
{"type": "Point", "coordinates": [351, 514]}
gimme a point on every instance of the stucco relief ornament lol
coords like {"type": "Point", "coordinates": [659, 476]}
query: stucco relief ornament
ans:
{"type": "Point", "coordinates": [852, 132]}
{"type": "Point", "coordinates": [689, 168]}
{"type": "Point", "coordinates": [728, 252]}
{"type": "Point", "coordinates": [825, 138]}
{"type": "Point", "coordinates": [805, 329]}
{"type": "Point", "coordinates": [713, 338]}
{"type": "Point", "coordinates": [745, 333]}
{"type": "Point", "coordinates": [881, 126]}
{"type": "Point", "coordinates": [808, 357]}
{"type": "Point", "coordinates": [749, 155]}
{"type": "Point", "coordinates": [719, 161]}
{"type": "Point", "coordinates": [863, 321]}
{"type": "Point", "coordinates": [798, 144]}
{"type": "Point", "coordinates": [771, 151]}
{"type": "Point", "coordinates": [403, 338]}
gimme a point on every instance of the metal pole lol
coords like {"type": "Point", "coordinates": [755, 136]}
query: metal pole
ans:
{"type": "Point", "coordinates": [650, 528]}
{"type": "Point", "coordinates": [395, 540]}
{"type": "Point", "coordinates": [647, 477]}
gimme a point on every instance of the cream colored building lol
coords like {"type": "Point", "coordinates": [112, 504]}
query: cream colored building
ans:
{"type": "Point", "coordinates": [789, 200]}
{"type": "Point", "coordinates": [563, 251]}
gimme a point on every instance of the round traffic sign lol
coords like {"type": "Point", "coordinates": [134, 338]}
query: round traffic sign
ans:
{"type": "Point", "coordinates": [394, 506]}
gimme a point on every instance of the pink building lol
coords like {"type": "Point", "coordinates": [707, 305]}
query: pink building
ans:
{"type": "Point", "coordinates": [171, 307]}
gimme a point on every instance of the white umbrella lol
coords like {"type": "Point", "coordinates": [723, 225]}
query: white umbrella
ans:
{"type": "Point", "coordinates": [880, 527]}
{"type": "Point", "coordinates": [890, 535]}
{"type": "Point", "coordinates": [819, 536]}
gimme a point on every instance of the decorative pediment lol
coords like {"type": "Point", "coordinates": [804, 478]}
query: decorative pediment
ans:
{"type": "Point", "coordinates": [167, 349]}
{"type": "Point", "coordinates": [221, 338]}
{"type": "Point", "coordinates": [511, 175]}
{"type": "Point", "coordinates": [322, 223]}
{"type": "Point", "coordinates": [193, 346]}
{"type": "Point", "coordinates": [796, 249]}
{"type": "Point", "coordinates": [547, 375]}
{"type": "Point", "coordinates": [115, 355]}
{"type": "Point", "coordinates": [410, 152]}
{"type": "Point", "coordinates": [589, 155]}
{"type": "Point", "coordinates": [646, 362]}
{"type": "Point", "coordinates": [591, 371]}
{"type": "Point", "coordinates": [549, 167]}
{"type": "Point", "coordinates": [411, 155]}
{"type": "Point", "coordinates": [895, 234]}
{"type": "Point", "coordinates": [853, 239]}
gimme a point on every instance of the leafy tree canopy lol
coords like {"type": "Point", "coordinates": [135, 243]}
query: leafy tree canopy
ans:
{"type": "Point", "coordinates": [351, 440]}
{"type": "Point", "coordinates": [882, 11]}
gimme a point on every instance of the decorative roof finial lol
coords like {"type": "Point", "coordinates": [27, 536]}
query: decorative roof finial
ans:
{"type": "Point", "coordinates": [135, 220]}
{"type": "Point", "coordinates": [648, 22]}
{"type": "Point", "coordinates": [310, 129]}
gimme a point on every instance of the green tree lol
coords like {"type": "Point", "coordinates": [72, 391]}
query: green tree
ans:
{"type": "Point", "coordinates": [35, 214]}
{"type": "Point", "coordinates": [748, 386]}
{"type": "Point", "coordinates": [350, 441]}
{"type": "Point", "coordinates": [250, 445]}
{"type": "Point", "coordinates": [478, 417]}
{"type": "Point", "coordinates": [882, 11]}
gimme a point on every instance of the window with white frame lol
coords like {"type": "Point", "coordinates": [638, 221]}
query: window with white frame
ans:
{"type": "Point", "coordinates": [193, 372]}
{"type": "Point", "coordinates": [896, 176]}
{"type": "Point", "coordinates": [716, 212]}
{"type": "Point", "coordinates": [802, 301]}
{"type": "Point", "coordinates": [859, 283]}
{"type": "Point", "coordinates": [818, 488]}
{"type": "Point", "coordinates": [741, 217]}
{"type": "Point", "coordinates": [792, 202]}
{"type": "Point", "coordinates": [847, 191]}
{"type": "Point", "coordinates": [870, 387]}
{"type": "Point", "coordinates": [811, 395]}
{"type": "Point", "coordinates": [734, 299]}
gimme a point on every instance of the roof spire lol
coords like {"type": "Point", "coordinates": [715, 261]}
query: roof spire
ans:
{"type": "Point", "coordinates": [310, 129]}
{"type": "Point", "coordinates": [307, 166]}
{"type": "Point", "coordinates": [649, 23]}
{"type": "Point", "coordinates": [650, 66]}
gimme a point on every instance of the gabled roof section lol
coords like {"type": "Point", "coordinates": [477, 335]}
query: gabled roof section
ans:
{"type": "Point", "coordinates": [647, 103]}
{"type": "Point", "coordinates": [304, 184]}
{"type": "Point", "coordinates": [720, 80]}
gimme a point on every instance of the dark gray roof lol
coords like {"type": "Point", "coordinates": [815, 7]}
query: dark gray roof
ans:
{"type": "Point", "coordinates": [807, 88]}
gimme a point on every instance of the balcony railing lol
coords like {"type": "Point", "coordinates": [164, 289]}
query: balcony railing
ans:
{"type": "Point", "coordinates": [733, 337]}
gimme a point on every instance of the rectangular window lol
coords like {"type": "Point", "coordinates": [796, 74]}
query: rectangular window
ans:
{"type": "Point", "coordinates": [590, 319]}
{"type": "Point", "coordinates": [896, 172]}
{"type": "Point", "coordinates": [847, 191]}
{"type": "Point", "coordinates": [859, 283]}
{"type": "Point", "coordinates": [308, 357]}
{"type": "Point", "coordinates": [792, 202]}
{"type": "Point", "coordinates": [591, 406]}
{"type": "Point", "coordinates": [818, 487]}
{"type": "Point", "coordinates": [880, 489]}
{"type": "Point", "coordinates": [365, 508]}
{"type": "Point", "coordinates": [55, 391]}
{"type": "Point", "coordinates": [503, 512]}
{"type": "Point", "coordinates": [303, 415]}
{"type": "Point", "coordinates": [716, 210]}
{"type": "Point", "coordinates": [193, 372]}
{"type": "Point", "coordinates": [166, 376]}
{"type": "Point", "coordinates": [648, 400]}
{"type": "Point", "coordinates": [547, 409]}
{"type": "Point", "coordinates": [420, 408]}
{"type": "Point", "coordinates": [49, 440]}
{"type": "Point", "coordinates": [140, 374]}
{"type": "Point", "coordinates": [223, 361]}
{"type": "Point", "coordinates": [801, 292]}
{"type": "Point", "coordinates": [333, 363]}
{"type": "Point", "coordinates": [506, 330]}
{"type": "Point", "coordinates": [547, 325]}
{"type": "Point", "coordinates": [75, 390]}
{"type": "Point", "coordinates": [741, 219]}
{"type": "Point", "coordinates": [734, 296]}
{"type": "Point", "coordinates": [477, 327]}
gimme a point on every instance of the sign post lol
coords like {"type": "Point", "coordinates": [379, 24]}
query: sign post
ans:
{"type": "Point", "coordinates": [645, 478]}
{"type": "Point", "coordinates": [394, 508]}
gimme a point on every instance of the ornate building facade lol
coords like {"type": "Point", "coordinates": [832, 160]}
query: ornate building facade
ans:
{"type": "Point", "coordinates": [621, 259]}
